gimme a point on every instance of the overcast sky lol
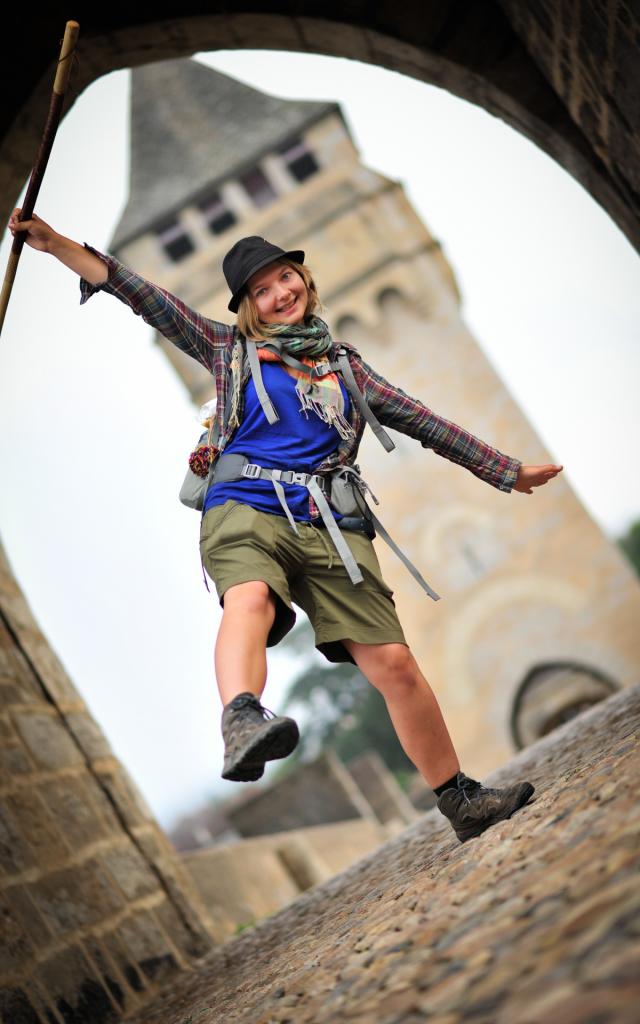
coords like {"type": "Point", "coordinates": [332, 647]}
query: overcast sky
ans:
{"type": "Point", "coordinates": [96, 428]}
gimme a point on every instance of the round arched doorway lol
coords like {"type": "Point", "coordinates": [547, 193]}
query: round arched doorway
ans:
{"type": "Point", "coordinates": [553, 693]}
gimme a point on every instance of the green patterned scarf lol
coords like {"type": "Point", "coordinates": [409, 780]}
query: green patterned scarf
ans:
{"type": "Point", "coordinates": [306, 342]}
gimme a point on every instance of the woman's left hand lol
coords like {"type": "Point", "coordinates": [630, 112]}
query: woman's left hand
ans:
{"type": "Point", "coordinates": [534, 476]}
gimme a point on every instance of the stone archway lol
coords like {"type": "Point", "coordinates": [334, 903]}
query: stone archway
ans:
{"type": "Point", "coordinates": [532, 69]}
{"type": "Point", "coordinates": [565, 75]}
{"type": "Point", "coordinates": [553, 693]}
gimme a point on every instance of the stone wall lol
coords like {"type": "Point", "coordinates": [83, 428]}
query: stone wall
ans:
{"type": "Point", "coordinates": [389, 802]}
{"type": "Point", "coordinates": [317, 793]}
{"type": "Point", "coordinates": [95, 908]}
{"type": "Point", "coordinates": [324, 786]}
{"type": "Point", "coordinates": [248, 880]}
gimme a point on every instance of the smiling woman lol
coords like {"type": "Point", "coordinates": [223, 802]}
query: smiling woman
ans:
{"type": "Point", "coordinates": [259, 568]}
{"type": "Point", "coordinates": [498, 221]}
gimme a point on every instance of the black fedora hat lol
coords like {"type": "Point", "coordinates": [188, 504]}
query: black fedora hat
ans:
{"type": "Point", "coordinates": [247, 256]}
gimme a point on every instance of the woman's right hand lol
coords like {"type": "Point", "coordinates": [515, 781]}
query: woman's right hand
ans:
{"type": "Point", "coordinates": [38, 234]}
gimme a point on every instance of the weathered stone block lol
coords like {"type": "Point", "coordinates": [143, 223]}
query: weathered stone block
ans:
{"type": "Point", "coordinates": [148, 946]}
{"type": "Point", "coordinates": [283, 31]}
{"type": "Point", "coordinates": [190, 944]}
{"type": "Point", "coordinates": [88, 735]}
{"type": "Point", "coordinates": [103, 802]}
{"type": "Point", "coordinates": [320, 36]}
{"type": "Point", "coordinates": [128, 801]}
{"type": "Point", "coordinates": [15, 947]}
{"type": "Point", "coordinates": [16, 675]}
{"type": "Point", "coordinates": [25, 912]}
{"type": "Point", "coordinates": [150, 846]}
{"type": "Point", "coordinates": [107, 971]}
{"type": "Point", "coordinates": [37, 827]}
{"type": "Point", "coordinates": [48, 740]}
{"type": "Point", "coordinates": [122, 958]}
{"type": "Point", "coordinates": [15, 854]}
{"type": "Point", "coordinates": [74, 988]}
{"type": "Point", "coordinates": [11, 694]}
{"type": "Point", "coordinates": [15, 1008]}
{"type": "Point", "coordinates": [69, 802]}
{"type": "Point", "coordinates": [81, 895]}
{"type": "Point", "coordinates": [14, 761]}
{"type": "Point", "coordinates": [130, 870]}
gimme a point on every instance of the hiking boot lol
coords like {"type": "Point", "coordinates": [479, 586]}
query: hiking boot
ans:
{"type": "Point", "coordinates": [251, 738]}
{"type": "Point", "coordinates": [472, 808]}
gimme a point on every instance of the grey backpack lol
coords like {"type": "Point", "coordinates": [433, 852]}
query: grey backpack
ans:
{"type": "Point", "coordinates": [194, 488]}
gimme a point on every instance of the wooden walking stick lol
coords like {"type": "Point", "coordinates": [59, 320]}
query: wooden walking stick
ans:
{"type": "Point", "coordinates": [55, 109]}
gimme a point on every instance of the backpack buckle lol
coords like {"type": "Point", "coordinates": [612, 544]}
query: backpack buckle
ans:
{"type": "Point", "coordinates": [321, 370]}
{"type": "Point", "coordinates": [251, 470]}
{"type": "Point", "coordinates": [299, 478]}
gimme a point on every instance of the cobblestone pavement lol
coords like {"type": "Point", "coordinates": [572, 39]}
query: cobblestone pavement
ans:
{"type": "Point", "coordinates": [537, 921]}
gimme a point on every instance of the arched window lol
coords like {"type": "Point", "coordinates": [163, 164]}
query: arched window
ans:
{"type": "Point", "coordinates": [258, 187]}
{"type": "Point", "coordinates": [396, 306]}
{"type": "Point", "coordinates": [552, 694]}
{"type": "Point", "coordinates": [216, 213]}
{"type": "Point", "coordinates": [298, 159]}
{"type": "Point", "coordinates": [390, 297]}
{"type": "Point", "coordinates": [175, 240]}
{"type": "Point", "coordinates": [347, 325]}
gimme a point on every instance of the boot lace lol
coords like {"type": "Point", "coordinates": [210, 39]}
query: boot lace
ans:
{"type": "Point", "coordinates": [248, 700]}
{"type": "Point", "coordinates": [470, 788]}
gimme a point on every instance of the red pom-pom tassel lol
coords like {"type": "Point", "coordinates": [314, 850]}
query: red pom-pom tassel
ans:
{"type": "Point", "coordinates": [200, 460]}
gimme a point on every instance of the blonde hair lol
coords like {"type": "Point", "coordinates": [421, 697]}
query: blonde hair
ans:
{"type": "Point", "coordinates": [249, 322]}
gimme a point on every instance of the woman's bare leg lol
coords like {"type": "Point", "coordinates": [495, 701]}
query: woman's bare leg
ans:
{"type": "Point", "coordinates": [412, 706]}
{"type": "Point", "coordinates": [241, 648]}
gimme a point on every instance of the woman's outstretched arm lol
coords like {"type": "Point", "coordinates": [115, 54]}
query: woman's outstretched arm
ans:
{"type": "Point", "coordinates": [201, 338]}
{"type": "Point", "coordinates": [395, 409]}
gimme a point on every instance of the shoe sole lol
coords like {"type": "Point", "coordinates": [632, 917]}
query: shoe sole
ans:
{"type": "Point", "coordinates": [250, 775]}
{"type": "Point", "coordinates": [278, 741]}
{"type": "Point", "coordinates": [520, 798]}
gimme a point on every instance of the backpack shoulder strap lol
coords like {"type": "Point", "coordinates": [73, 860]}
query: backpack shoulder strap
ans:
{"type": "Point", "coordinates": [344, 366]}
{"type": "Point", "coordinates": [256, 374]}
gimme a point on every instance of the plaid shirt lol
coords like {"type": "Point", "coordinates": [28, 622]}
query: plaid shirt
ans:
{"type": "Point", "coordinates": [211, 343]}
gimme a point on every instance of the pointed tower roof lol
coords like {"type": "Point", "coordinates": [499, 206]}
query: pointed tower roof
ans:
{"type": "Point", "coordinates": [192, 127]}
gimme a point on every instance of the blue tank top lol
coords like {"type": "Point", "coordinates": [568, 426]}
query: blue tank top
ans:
{"type": "Point", "coordinates": [297, 441]}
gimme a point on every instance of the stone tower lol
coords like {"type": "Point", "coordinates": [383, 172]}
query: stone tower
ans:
{"type": "Point", "coordinates": [539, 610]}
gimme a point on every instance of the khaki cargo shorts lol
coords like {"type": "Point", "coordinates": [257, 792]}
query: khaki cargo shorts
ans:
{"type": "Point", "coordinates": [239, 544]}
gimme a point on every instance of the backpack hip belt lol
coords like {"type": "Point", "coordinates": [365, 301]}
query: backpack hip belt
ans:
{"type": "Point", "coordinates": [236, 467]}
{"type": "Point", "coordinates": [348, 487]}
